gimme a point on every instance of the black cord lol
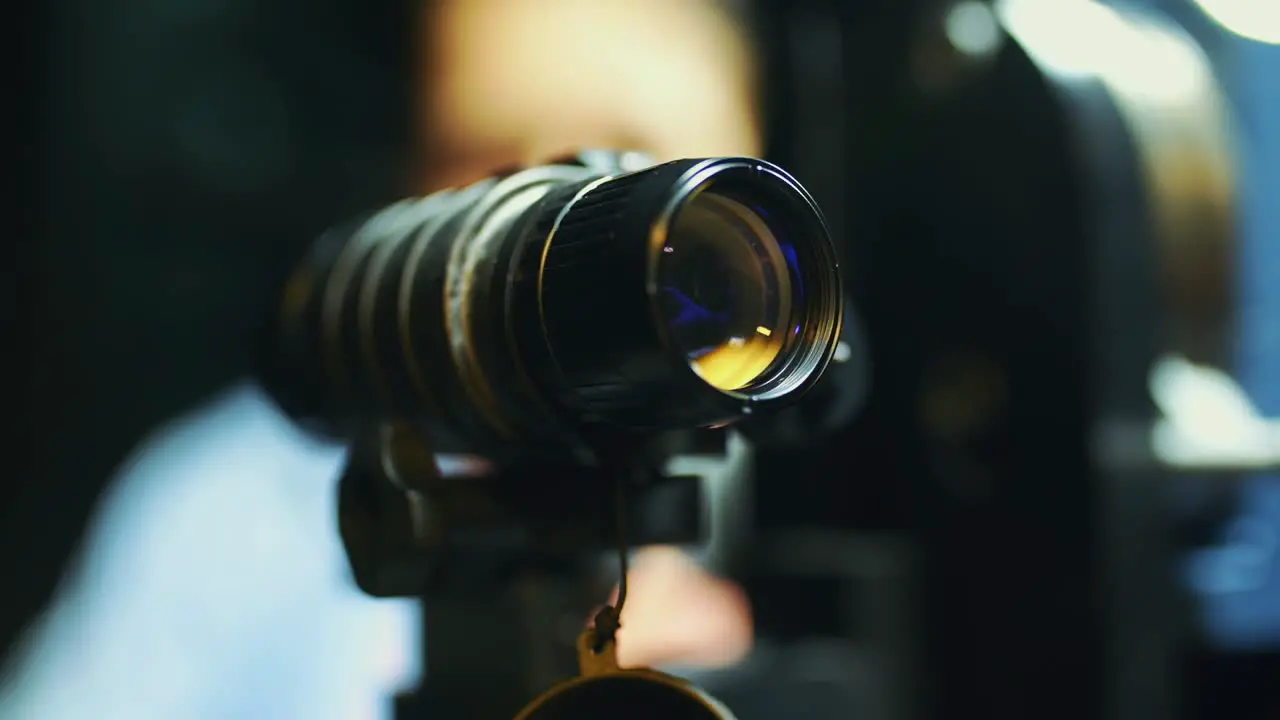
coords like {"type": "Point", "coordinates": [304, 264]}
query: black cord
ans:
{"type": "Point", "coordinates": [609, 619]}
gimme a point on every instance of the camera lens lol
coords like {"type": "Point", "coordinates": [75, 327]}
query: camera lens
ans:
{"type": "Point", "coordinates": [567, 305]}
{"type": "Point", "coordinates": [725, 291]}
{"type": "Point", "coordinates": [690, 294]}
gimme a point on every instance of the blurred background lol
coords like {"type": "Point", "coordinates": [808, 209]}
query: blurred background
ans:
{"type": "Point", "coordinates": [1060, 235]}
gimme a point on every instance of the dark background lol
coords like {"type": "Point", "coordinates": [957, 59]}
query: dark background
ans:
{"type": "Point", "coordinates": [184, 152]}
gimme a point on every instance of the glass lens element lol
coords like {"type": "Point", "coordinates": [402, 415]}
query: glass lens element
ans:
{"type": "Point", "coordinates": [724, 291]}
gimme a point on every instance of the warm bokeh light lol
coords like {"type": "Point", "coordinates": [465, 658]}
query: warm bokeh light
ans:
{"type": "Point", "coordinates": [737, 363]}
{"type": "Point", "coordinates": [526, 81]}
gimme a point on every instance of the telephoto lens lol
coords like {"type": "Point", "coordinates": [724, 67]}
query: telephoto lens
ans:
{"type": "Point", "coordinates": [555, 308]}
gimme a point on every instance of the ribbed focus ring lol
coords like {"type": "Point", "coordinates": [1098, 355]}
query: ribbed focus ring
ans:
{"type": "Point", "coordinates": [594, 299]}
{"type": "Point", "coordinates": [587, 233]}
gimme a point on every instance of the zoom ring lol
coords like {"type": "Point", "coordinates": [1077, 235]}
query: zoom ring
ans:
{"type": "Point", "coordinates": [594, 279]}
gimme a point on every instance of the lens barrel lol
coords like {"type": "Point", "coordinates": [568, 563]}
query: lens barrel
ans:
{"type": "Point", "coordinates": [541, 310]}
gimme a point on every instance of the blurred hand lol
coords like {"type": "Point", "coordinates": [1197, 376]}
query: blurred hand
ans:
{"type": "Point", "coordinates": [676, 613]}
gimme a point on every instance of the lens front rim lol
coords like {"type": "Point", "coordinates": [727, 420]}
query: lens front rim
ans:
{"type": "Point", "coordinates": [793, 214]}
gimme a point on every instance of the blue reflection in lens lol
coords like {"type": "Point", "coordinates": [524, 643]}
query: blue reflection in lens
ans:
{"type": "Point", "coordinates": [788, 252]}
{"type": "Point", "coordinates": [690, 311]}
{"type": "Point", "coordinates": [689, 314]}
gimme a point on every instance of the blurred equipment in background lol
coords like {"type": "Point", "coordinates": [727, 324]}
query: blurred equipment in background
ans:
{"type": "Point", "coordinates": [1039, 205]}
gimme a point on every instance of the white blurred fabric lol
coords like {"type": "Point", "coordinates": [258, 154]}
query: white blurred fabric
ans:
{"type": "Point", "coordinates": [213, 585]}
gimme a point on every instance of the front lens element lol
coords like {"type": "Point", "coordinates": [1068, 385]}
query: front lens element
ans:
{"type": "Point", "coordinates": [725, 291]}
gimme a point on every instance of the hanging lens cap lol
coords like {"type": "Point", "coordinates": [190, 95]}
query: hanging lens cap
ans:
{"type": "Point", "coordinates": [606, 691]}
